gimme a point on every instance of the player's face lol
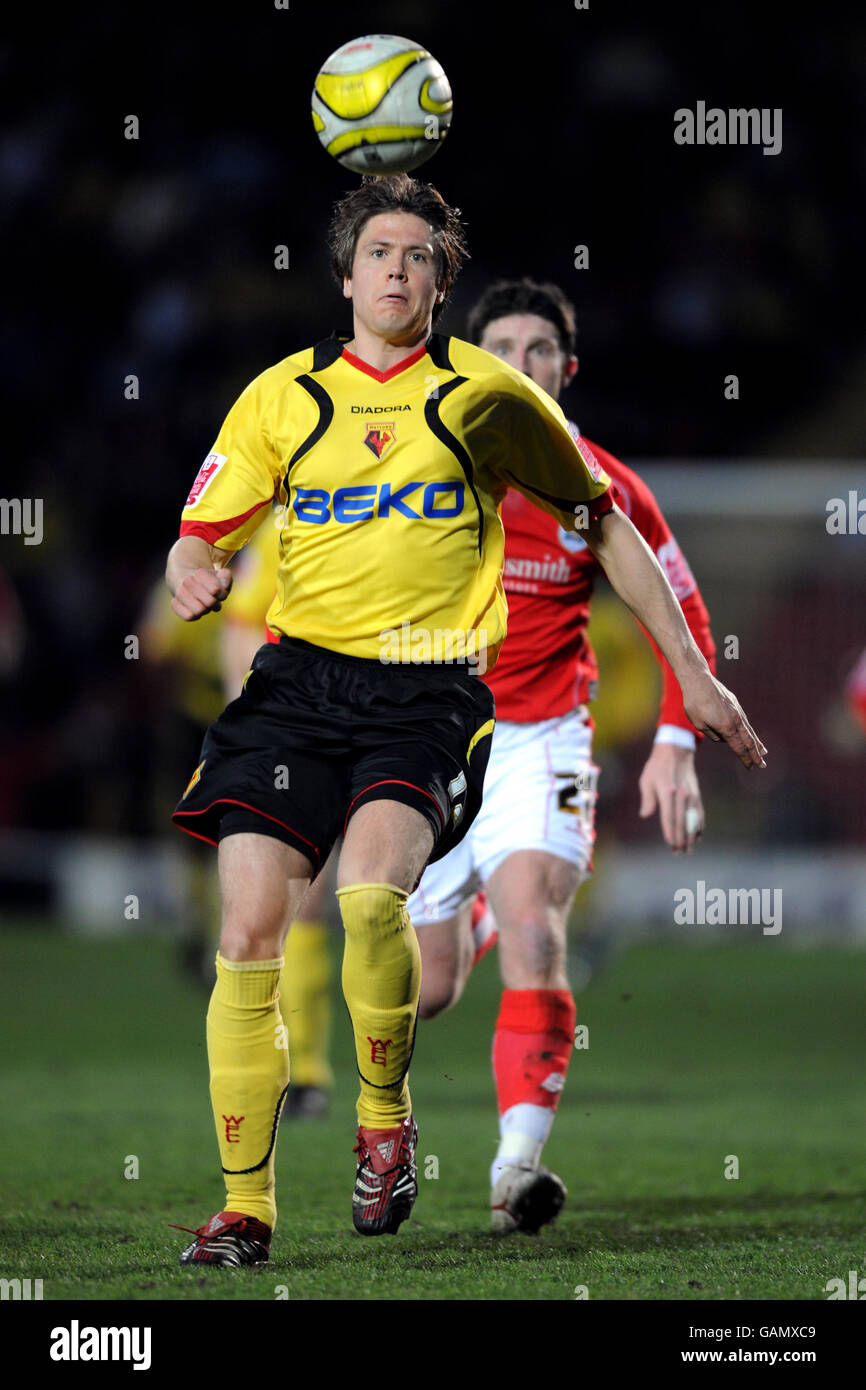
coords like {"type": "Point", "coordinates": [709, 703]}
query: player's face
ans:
{"type": "Point", "coordinates": [393, 284]}
{"type": "Point", "coordinates": [531, 344]}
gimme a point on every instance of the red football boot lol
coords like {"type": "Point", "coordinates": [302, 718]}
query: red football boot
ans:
{"type": "Point", "coordinates": [229, 1239]}
{"type": "Point", "coordinates": [385, 1184]}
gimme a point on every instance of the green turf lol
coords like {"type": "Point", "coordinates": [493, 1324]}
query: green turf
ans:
{"type": "Point", "coordinates": [695, 1054]}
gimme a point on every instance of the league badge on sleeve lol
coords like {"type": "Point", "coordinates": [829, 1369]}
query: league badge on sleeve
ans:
{"type": "Point", "coordinates": [206, 474]}
{"type": "Point", "coordinates": [584, 450]}
{"type": "Point", "coordinates": [588, 456]}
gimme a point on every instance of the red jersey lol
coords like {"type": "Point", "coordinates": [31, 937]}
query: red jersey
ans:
{"type": "Point", "coordinates": [546, 665]}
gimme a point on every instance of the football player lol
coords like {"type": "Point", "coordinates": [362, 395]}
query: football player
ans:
{"type": "Point", "coordinates": [530, 847]}
{"type": "Point", "coordinates": [390, 451]}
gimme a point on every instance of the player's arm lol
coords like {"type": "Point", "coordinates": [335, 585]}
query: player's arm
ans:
{"type": "Point", "coordinates": [561, 475]}
{"type": "Point", "coordinates": [229, 499]}
{"type": "Point", "coordinates": [198, 577]}
{"type": "Point", "coordinates": [669, 780]}
{"type": "Point", "coordinates": [669, 784]}
{"type": "Point", "coordinates": [638, 578]}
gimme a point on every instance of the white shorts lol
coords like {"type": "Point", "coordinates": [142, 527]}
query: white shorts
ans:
{"type": "Point", "coordinates": [540, 792]}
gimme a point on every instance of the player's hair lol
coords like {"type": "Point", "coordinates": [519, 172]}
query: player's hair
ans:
{"type": "Point", "coordinates": [398, 193]}
{"type": "Point", "coordinates": [524, 297]}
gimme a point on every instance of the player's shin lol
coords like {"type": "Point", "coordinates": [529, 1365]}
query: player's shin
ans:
{"type": "Point", "coordinates": [249, 1070]}
{"type": "Point", "coordinates": [304, 1002]}
{"type": "Point", "coordinates": [381, 985]}
{"type": "Point", "coordinates": [532, 1048]}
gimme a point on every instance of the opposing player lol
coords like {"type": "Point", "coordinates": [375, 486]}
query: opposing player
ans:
{"type": "Point", "coordinates": [391, 487]}
{"type": "Point", "coordinates": [530, 846]}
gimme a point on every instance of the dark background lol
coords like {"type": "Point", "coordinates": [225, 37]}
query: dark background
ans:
{"type": "Point", "coordinates": [156, 257]}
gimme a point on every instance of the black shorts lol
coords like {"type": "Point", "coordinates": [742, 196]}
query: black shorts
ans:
{"type": "Point", "coordinates": [316, 734]}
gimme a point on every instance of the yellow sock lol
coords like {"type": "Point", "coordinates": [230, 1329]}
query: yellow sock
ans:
{"type": "Point", "coordinates": [381, 984]}
{"type": "Point", "coordinates": [304, 1002]}
{"type": "Point", "coordinates": [249, 1073]}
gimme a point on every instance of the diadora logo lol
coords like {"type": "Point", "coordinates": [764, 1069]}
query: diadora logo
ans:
{"type": "Point", "coordinates": [315, 505]}
{"type": "Point", "coordinates": [378, 409]}
{"type": "Point", "coordinates": [379, 1049]}
{"type": "Point", "coordinates": [379, 438]}
{"type": "Point", "coordinates": [232, 1127]}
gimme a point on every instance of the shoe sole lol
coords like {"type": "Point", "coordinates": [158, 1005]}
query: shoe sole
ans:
{"type": "Point", "coordinates": [540, 1204]}
{"type": "Point", "coordinates": [221, 1264]}
{"type": "Point", "coordinates": [387, 1224]}
{"type": "Point", "coordinates": [223, 1260]}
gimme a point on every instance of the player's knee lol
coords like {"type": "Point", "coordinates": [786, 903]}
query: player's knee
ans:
{"type": "Point", "coordinates": [246, 938]}
{"type": "Point", "coordinates": [367, 909]}
{"type": "Point", "coordinates": [560, 887]}
{"type": "Point", "coordinates": [437, 994]}
{"type": "Point", "coordinates": [255, 917]}
{"type": "Point", "coordinates": [444, 971]}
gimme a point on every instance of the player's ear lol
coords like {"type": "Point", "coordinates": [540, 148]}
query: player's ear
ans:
{"type": "Point", "coordinates": [347, 287]}
{"type": "Point", "coordinates": [569, 371]}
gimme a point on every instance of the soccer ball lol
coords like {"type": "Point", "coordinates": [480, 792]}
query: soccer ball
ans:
{"type": "Point", "coordinates": [381, 105]}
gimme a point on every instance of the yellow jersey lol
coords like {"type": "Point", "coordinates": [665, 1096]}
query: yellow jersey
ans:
{"type": "Point", "coordinates": [389, 486]}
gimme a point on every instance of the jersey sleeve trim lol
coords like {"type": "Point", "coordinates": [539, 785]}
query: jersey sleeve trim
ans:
{"type": "Point", "coordinates": [672, 733]}
{"type": "Point", "coordinates": [597, 507]}
{"type": "Point", "coordinates": [213, 531]}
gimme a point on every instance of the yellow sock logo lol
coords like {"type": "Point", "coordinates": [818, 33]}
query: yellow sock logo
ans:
{"type": "Point", "coordinates": [378, 1050]}
{"type": "Point", "coordinates": [232, 1128]}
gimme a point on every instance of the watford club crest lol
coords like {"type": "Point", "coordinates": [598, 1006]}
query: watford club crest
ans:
{"type": "Point", "coordinates": [379, 438]}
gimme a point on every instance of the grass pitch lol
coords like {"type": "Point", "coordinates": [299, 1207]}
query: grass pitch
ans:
{"type": "Point", "coordinates": [695, 1056]}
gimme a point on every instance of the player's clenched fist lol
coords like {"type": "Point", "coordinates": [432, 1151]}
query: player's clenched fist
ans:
{"type": "Point", "coordinates": [201, 591]}
{"type": "Point", "coordinates": [716, 712]}
{"type": "Point", "coordinates": [198, 578]}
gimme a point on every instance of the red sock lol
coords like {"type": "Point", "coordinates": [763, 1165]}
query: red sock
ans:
{"type": "Point", "coordinates": [532, 1046]}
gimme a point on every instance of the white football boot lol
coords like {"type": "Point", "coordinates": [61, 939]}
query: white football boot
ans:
{"type": "Point", "coordinates": [525, 1198]}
